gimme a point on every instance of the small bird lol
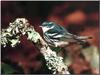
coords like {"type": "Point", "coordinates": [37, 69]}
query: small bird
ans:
{"type": "Point", "coordinates": [58, 36]}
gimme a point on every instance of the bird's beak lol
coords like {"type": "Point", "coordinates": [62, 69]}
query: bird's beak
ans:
{"type": "Point", "coordinates": [40, 26]}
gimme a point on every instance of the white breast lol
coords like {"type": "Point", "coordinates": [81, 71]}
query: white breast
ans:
{"type": "Point", "coordinates": [45, 29]}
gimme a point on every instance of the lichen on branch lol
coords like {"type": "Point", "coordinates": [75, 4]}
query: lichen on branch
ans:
{"type": "Point", "coordinates": [21, 26]}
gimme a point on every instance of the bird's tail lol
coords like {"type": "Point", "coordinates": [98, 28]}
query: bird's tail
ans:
{"type": "Point", "coordinates": [82, 40]}
{"type": "Point", "coordinates": [84, 37]}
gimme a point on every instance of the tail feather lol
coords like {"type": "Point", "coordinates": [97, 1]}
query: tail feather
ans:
{"type": "Point", "coordinates": [82, 40]}
{"type": "Point", "coordinates": [84, 37]}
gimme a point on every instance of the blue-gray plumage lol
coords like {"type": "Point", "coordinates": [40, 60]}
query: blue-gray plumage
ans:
{"type": "Point", "coordinates": [57, 35]}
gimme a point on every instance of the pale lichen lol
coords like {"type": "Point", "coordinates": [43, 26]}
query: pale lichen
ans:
{"type": "Point", "coordinates": [21, 26]}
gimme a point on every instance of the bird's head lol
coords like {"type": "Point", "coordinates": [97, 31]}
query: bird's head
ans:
{"type": "Point", "coordinates": [47, 26]}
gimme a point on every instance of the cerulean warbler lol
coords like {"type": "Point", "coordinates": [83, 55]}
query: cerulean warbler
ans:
{"type": "Point", "coordinates": [56, 35]}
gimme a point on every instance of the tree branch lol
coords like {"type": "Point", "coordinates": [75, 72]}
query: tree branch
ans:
{"type": "Point", "coordinates": [20, 27]}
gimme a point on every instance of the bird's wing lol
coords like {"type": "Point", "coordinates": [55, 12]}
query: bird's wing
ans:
{"type": "Point", "coordinates": [63, 33]}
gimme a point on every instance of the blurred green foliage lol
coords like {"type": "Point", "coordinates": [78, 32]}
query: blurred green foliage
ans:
{"type": "Point", "coordinates": [7, 69]}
